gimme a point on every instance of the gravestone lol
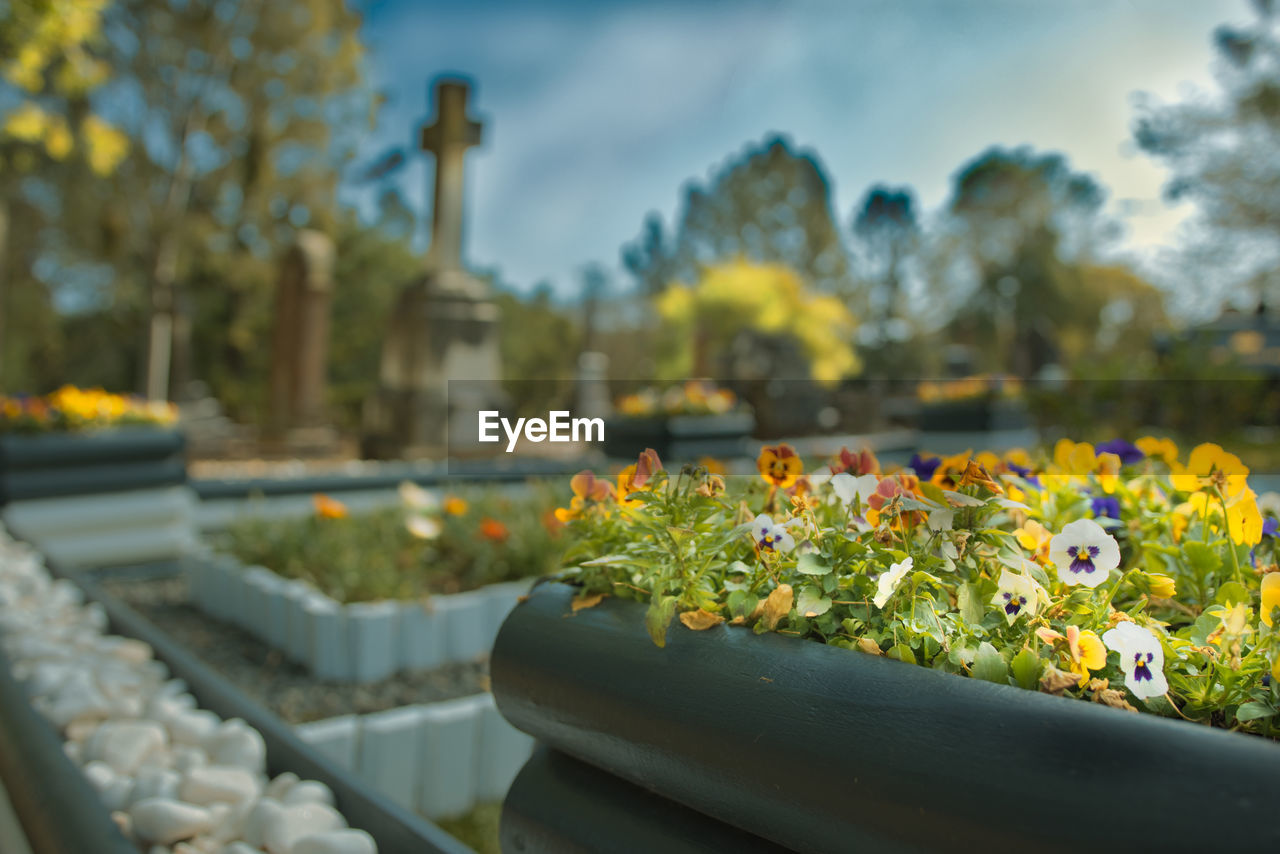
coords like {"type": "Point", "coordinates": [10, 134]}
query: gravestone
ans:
{"type": "Point", "coordinates": [444, 326]}
{"type": "Point", "coordinates": [300, 345]}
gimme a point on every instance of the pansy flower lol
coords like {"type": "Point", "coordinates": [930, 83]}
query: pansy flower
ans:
{"type": "Point", "coordinates": [1271, 527]}
{"type": "Point", "coordinates": [328, 508]}
{"type": "Point", "coordinates": [1084, 553]}
{"type": "Point", "coordinates": [1086, 651]}
{"type": "Point", "coordinates": [1035, 538]}
{"type": "Point", "coordinates": [588, 490]}
{"type": "Point", "coordinates": [1129, 453]}
{"type": "Point", "coordinates": [1209, 465]}
{"type": "Point", "coordinates": [1141, 659]}
{"type": "Point", "coordinates": [636, 476]}
{"type": "Point", "coordinates": [771, 536]}
{"type": "Point", "coordinates": [1016, 595]}
{"type": "Point", "coordinates": [849, 488]}
{"type": "Point", "coordinates": [779, 465]}
{"type": "Point", "coordinates": [1270, 589]}
{"type": "Point", "coordinates": [887, 583]}
{"type": "Point", "coordinates": [863, 462]}
{"type": "Point", "coordinates": [925, 466]}
{"type": "Point", "coordinates": [1105, 506]}
{"type": "Point", "coordinates": [1159, 449]}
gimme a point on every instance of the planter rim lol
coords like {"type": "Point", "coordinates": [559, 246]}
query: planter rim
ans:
{"type": "Point", "coordinates": [821, 748]}
{"type": "Point", "coordinates": [41, 450]}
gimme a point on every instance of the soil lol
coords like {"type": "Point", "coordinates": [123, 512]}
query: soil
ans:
{"type": "Point", "coordinates": [266, 675]}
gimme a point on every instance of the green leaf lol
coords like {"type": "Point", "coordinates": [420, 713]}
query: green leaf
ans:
{"type": "Point", "coordinates": [969, 601]}
{"type": "Point", "coordinates": [812, 603]}
{"type": "Point", "coordinates": [812, 564]}
{"type": "Point", "coordinates": [659, 617]}
{"type": "Point", "coordinates": [742, 604]}
{"type": "Point", "coordinates": [901, 652]}
{"type": "Point", "coordinates": [1232, 592]}
{"type": "Point", "coordinates": [1201, 558]}
{"type": "Point", "coordinates": [1253, 711]}
{"type": "Point", "coordinates": [933, 492]}
{"type": "Point", "coordinates": [1027, 668]}
{"type": "Point", "coordinates": [990, 665]}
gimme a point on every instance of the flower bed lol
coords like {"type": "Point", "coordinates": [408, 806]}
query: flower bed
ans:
{"type": "Point", "coordinates": [978, 404]}
{"type": "Point", "coordinates": [357, 598]}
{"type": "Point", "coordinates": [686, 422]}
{"type": "Point", "coordinates": [1120, 574]}
{"type": "Point", "coordinates": [94, 479]}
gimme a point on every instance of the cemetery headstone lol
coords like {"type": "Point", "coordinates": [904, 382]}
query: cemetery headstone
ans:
{"type": "Point", "coordinates": [444, 326]}
{"type": "Point", "coordinates": [300, 346]}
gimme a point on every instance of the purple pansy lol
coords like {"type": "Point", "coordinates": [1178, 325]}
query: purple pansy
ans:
{"type": "Point", "coordinates": [924, 467]}
{"type": "Point", "coordinates": [1105, 505]}
{"type": "Point", "coordinates": [1128, 452]}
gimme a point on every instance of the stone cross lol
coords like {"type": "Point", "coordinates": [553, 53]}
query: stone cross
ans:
{"type": "Point", "coordinates": [448, 138]}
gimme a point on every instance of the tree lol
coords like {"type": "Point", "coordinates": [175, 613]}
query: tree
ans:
{"type": "Point", "coordinates": [234, 106]}
{"type": "Point", "coordinates": [701, 321]}
{"type": "Point", "coordinates": [1224, 155]}
{"type": "Point", "coordinates": [887, 230]}
{"type": "Point", "coordinates": [770, 205]}
{"type": "Point", "coordinates": [1019, 224]}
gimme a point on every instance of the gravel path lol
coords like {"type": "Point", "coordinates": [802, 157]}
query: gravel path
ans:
{"type": "Point", "coordinates": [267, 675]}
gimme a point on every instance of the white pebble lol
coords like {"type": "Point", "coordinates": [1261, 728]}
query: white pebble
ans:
{"type": "Point", "coordinates": [309, 792]}
{"type": "Point", "coordinates": [164, 821]}
{"type": "Point", "coordinates": [280, 785]}
{"type": "Point", "coordinates": [237, 743]}
{"type": "Point", "coordinates": [124, 745]}
{"type": "Point", "coordinates": [335, 842]}
{"type": "Point", "coordinates": [215, 783]}
{"type": "Point", "coordinates": [292, 823]}
{"type": "Point", "coordinates": [154, 782]}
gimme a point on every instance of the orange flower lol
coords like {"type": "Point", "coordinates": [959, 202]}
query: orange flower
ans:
{"type": "Point", "coordinates": [455, 506]}
{"type": "Point", "coordinates": [552, 523]}
{"type": "Point", "coordinates": [328, 508]}
{"type": "Point", "coordinates": [587, 490]}
{"type": "Point", "coordinates": [712, 465]}
{"type": "Point", "coordinates": [863, 462]}
{"type": "Point", "coordinates": [636, 476]}
{"type": "Point", "coordinates": [493, 530]}
{"type": "Point", "coordinates": [779, 465]}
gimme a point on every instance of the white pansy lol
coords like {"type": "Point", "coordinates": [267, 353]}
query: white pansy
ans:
{"type": "Point", "coordinates": [1141, 659]}
{"type": "Point", "coordinates": [847, 487]}
{"type": "Point", "coordinates": [820, 477]}
{"type": "Point", "coordinates": [1016, 595]}
{"type": "Point", "coordinates": [423, 527]}
{"type": "Point", "coordinates": [1084, 553]}
{"type": "Point", "coordinates": [771, 536]}
{"type": "Point", "coordinates": [414, 496]}
{"type": "Point", "coordinates": [888, 583]}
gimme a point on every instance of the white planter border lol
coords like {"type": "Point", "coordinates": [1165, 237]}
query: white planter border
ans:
{"type": "Point", "coordinates": [361, 642]}
{"type": "Point", "coordinates": [441, 759]}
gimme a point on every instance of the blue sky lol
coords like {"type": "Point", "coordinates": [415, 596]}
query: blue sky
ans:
{"type": "Point", "coordinates": [598, 112]}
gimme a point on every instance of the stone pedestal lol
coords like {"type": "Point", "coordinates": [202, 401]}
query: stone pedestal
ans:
{"type": "Point", "coordinates": [444, 329]}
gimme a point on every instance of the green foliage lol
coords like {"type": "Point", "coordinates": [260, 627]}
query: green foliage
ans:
{"type": "Point", "coordinates": [374, 556]}
{"type": "Point", "coordinates": [770, 205]}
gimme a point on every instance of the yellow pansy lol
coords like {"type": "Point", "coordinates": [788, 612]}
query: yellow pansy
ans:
{"type": "Point", "coordinates": [1210, 465]}
{"type": "Point", "coordinates": [1270, 595]}
{"type": "Point", "coordinates": [1086, 650]}
{"type": "Point", "coordinates": [1161, 449]}
{"type": "Point", "coordinates": [1035, 538]}
{"type": "Point", "coordinates": [1244, 521]}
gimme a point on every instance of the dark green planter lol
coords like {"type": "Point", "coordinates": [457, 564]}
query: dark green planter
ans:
{"type": "Point", "coordinates": [63, 464]}
{"type": "Point", "coordinates": [679, 438]}
{"type": "Point", "coordinates": [982, 415]}
{"type": "Point", "coordinates": [818, 748]}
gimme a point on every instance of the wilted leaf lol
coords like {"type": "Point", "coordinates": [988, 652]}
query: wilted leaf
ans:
{"type": "Point", "coordinates": [700, 620]}
{"type": "Point", "coordinates": [1113, 698]}
{"type": "Point", "coordinates": [959, 499]}
{"type": "Point", "coordinates": [869, 646]}
{"type": "Point", "coordinates": [1055, 681]}
{"type": "Point", "coordinates": [589, 600]}
{"type": "Point", "coordinates": [777, 606]}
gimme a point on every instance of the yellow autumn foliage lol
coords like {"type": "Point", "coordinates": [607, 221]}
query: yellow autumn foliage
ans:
{"type": "Point", "coordinates": [770, 298]}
